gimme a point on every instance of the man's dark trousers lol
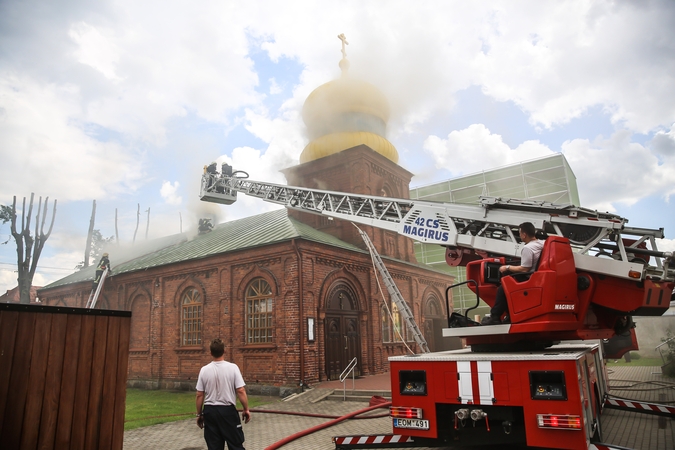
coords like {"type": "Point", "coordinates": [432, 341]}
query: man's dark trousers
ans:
{"type": "Point", "coordinates": [221, 425]}
{"type": "Point", "coordinates": [501, 305]}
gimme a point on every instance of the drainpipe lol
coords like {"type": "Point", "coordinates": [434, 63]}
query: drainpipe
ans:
{"type": "Point", "coordinates": [301, 315]}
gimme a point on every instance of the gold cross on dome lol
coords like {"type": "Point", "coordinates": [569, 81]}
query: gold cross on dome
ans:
{"type": "Point", "coordinates": [344, 42]}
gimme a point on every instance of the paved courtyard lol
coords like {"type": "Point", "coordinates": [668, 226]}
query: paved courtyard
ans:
{"type": "Point", "coordinates": [630, 430]}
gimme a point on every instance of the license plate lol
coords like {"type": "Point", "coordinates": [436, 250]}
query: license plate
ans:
{"type": "Point", "coordinates": [418, 424]}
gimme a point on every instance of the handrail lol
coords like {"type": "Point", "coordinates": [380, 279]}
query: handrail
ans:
{"type": "Point", "coordinates": [658, 347]}
{"type": "Point", "coordinates": [343, 376]}
{"type": "Point", "coordinates": [663, 343]}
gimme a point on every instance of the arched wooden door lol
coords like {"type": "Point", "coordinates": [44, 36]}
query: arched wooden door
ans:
{"type": "Point", "coordinates": [343, 338]}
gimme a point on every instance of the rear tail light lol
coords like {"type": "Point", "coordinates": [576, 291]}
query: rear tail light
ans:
{"type": "Point", "coordinates": [559, 421]}
{"type": "Point", "coordinates": [405, 412]}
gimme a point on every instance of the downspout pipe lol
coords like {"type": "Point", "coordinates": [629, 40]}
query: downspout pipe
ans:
{"type": "Point", "coordinates": [301, 316]}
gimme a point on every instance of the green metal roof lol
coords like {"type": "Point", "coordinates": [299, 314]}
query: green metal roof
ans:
{"type": "Point", "coordinates": [250, 232]}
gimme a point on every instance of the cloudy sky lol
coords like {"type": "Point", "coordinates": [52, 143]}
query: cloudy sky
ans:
{"type": "Point", "coordinates": [124, 101]}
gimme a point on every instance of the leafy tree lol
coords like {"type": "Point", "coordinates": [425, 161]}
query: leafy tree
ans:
{"type": "Point", "coordinates": [6, 216]}
{"type": "Point", "coordinates": [6, 213]}
{"type": "Point", "coordinates": [98, 245]}
{"type": "Point", "coordinates": [29, 248]}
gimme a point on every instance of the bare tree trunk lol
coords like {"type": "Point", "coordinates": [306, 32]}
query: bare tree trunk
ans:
{"type": "Point", "coordinates": [117, 235]}
{"type": "Point", "coordinates": [29, 249]}
{"type": "Point", "coordinates": [87, 246]}
{"type": "Point", "coordinates": [138, 219]}
{"type": "Point", "coordinates": [147, 226]}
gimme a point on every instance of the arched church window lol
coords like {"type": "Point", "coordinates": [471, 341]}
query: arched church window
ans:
{"type": "Point", "coordinates": [386, 324]}
{"type": "Point", "coordinates": [432, 307]}
{"type": "Point", "coordinates": [191, 319]}
{"type": "Point", "coordinates": [399, 326]}
{"type": "Point", "coordinates": [259, 306]}
{"type": "Point", "coordinates": [394, 328]}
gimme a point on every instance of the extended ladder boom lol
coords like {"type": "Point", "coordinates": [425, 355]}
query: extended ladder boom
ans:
{"type": "Point", "coordinates": [602, 241]}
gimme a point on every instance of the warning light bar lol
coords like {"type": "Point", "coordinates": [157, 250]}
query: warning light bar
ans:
{"type": "Point", "coordinates": [559, 421]}
{"type": "Point", "coordinates": [405, 412]}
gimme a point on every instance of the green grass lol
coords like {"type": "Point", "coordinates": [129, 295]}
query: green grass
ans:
{"type": "Point", "coordinates": [144, 408]}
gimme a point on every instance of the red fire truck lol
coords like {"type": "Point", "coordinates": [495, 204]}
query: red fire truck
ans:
{"type": "Point", "coordinates": [515, 383]}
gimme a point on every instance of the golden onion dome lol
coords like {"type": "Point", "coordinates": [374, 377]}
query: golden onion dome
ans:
{"type": "Point", "coordinates": [345, 113]}
{"type": "Point", "coordinates": [342, 96]}
{"type": "Point", "coordinates": [336, 142]}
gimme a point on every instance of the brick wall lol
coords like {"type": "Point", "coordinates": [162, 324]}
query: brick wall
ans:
{"type": "Point", "coordinates": [154, 297]}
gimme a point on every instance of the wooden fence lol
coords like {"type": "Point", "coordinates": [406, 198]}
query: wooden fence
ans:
{"type": "Point", "coordinates": [63, 374]}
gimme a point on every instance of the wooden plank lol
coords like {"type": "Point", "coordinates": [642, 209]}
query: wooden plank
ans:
{"type": "Point", "coordinates": [18, 386]}
{"type": "Point", "coordinates": [50, 402]}
{"type": "Point", "coordinates": [36, 381]}
{"type": "Point", "coordinates": [121, 388]}
{"type": "Point", "coordinates": [9, 322]}
{"type": "Point", "coordinates": [93, 407]}
{"type": "Point", "coordinates": [109, 381]}
{"type": "Point", "coordinates": [67, 391]}
{"type": "Point", "coordinates": [83, 381]}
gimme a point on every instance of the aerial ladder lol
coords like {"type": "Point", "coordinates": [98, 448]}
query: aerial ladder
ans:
{"type": "Point", "coordinates": [395, 294]}
{"type": "Point", "coordinates": [594, 272]}
{"type": "Point", "coordinates": [93, 296]}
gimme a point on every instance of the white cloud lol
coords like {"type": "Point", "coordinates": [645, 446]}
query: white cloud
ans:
{"type": "Point", "coordinates": [666, 245]}
{"type": "Point", "coordinates": [663, 143]}
{"type": "Point", "coordinates": [274, 87]}
{"type": "Point", "coordinates": [94, 49]}
{"type": "Point", "coordinates": [618, 170]}
{"type": "Point", "coordinates": [475, 148]}
{"type": "Point", "coordinates": [7, 278]}
{"type": "Point", "coordinates": [169, 193]}
{"type": "Point", "coordinates": [47, 150]}
{"type": "Point", "coordinates": [556, 62]}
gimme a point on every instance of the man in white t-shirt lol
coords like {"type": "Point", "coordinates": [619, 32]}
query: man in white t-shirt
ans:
{"type": "Point", "coordinates": [219, 385]}
{"type": "Point", "coordinates": [529, 258]}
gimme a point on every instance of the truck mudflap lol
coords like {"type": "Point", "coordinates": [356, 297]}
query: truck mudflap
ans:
{"type": "Point", "coordinates": [374, 441]}
{"type": "Point", "coordinates": [641, 407]}
{"type": "Point", "coordinates": [400, 441]}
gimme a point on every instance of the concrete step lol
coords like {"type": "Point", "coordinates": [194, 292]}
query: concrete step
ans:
{"type": "Point", "coordinates": [356, 395]}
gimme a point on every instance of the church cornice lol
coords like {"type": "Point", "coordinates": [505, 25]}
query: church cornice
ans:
{"type": "Point", "coordinates": [260, 348]}
{"type": "Point", "coordinates": [181, 276]}
{"type": "Point", "coordinates": [141, 283]}
{"type": "Point", "coordinates": [387, 175]}
{"type": "Point", "coordinates": [340, 265]}
{"type": "Point", "coordinates": [433, 283]}
{"type": "Point", "coordinates": [263, 263]}
{"type": "Point", "coordinates": [196, 350]}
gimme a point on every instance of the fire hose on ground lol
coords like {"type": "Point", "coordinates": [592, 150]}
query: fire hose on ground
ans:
{"type": "Point", "coordinates": [375, 404]}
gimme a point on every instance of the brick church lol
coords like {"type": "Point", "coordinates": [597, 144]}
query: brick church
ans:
{"type": "Point", "coordinates": [294, 295]}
